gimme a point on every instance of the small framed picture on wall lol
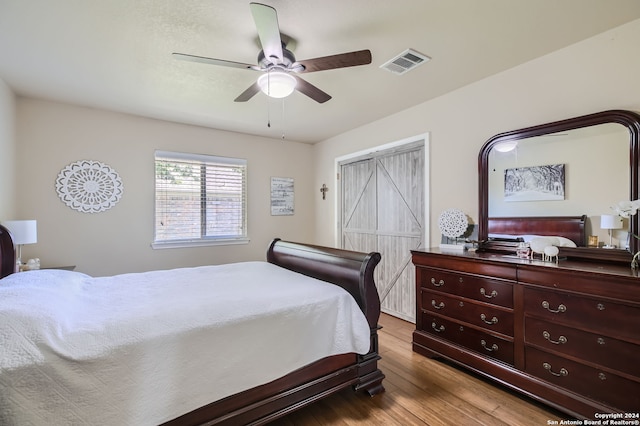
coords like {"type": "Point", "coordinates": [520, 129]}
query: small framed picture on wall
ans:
{"type": "Point", "coordinates": [282, 196]}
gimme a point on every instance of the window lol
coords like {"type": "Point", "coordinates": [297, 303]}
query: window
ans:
{"type": "Point", "coordinates": [200, 200]}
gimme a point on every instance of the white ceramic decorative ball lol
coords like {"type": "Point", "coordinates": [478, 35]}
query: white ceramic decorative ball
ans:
{"type": "Point", "coordinates": [551, 251]}
{"type": "Point", "coordinates": [538, 244]}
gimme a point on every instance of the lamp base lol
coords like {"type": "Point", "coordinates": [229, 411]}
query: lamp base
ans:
{"type": "Point", "coordinates": [18, 254]}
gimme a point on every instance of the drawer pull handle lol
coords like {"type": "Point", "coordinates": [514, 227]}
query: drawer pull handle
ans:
{"type": "Point", "coordinates": [493, 320]}
{"type": "Point", "coordinates": [437, 329]}
{"type": "Point", "coordinates": [491, 295]}
{"type": "Point", "coordinates": [561, 307]}
{"type": "Point", "coordinates": [602, 376]}
{"type": "Point", "coordinates": [561, 340]}
{"type": "Point", "coordinates": [437, 284]}
{"type": "Point", "coordinates": [600, 341]}
{"type": "Point", "coordinates": [563, 371]}
{"type": "Point", "coordinates": [493, 347]}
{"type": "Point", "coordinates": [600, 307]}
{"type": "Point", "coordinates": [437, 306]}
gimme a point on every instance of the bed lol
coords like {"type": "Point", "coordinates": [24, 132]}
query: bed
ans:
{"type": "Point", "coordinates": [187, 380]}
{"type": "Point", "coordinates": [505, 229]}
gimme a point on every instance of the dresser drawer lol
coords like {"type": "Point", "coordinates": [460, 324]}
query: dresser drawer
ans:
{"type": "Point", "coordinates": [596, 348]}
{"type": "Point", "coordinates": [610, 389]}
{"type": "Point", "coordinates": [478, 314]}
{"type": "Point", "coordinates": [599, 316]}
{"type": "Point", "coordinates": [468, 337]}
{"type": "Point", "coordinates": [473, 287]}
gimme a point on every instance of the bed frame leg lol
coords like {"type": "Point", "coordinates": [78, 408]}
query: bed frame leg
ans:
{"type": "Point", "coordinates": [371, 383]}
{"type": "Point", "coordinates": [369, 375]}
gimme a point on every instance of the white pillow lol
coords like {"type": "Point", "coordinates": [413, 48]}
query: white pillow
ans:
{"type": "Point", "coordinates": [562, 242]}
{"type": "Point", "coordinates": [539, 243]}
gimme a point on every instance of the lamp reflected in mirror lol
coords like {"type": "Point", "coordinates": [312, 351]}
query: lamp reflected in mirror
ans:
{"type": "Point", "coordinates": [506, 146]}
{"type": "Point", "coordinates": [610, 222]}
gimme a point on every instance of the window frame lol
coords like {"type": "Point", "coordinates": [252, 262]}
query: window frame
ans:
{"type": "Point", "coordinates": [206, 160]}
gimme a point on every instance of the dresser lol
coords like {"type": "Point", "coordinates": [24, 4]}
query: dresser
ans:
{"type": "Point", "coordinates": [566, 334]}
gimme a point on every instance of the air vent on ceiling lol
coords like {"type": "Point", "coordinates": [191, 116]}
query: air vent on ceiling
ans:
{"type": "Point", "coordinates": [404, 62]}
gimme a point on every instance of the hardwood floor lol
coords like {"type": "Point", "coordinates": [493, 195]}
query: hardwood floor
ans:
{"type": "Point", "coordinates": [422, 391]}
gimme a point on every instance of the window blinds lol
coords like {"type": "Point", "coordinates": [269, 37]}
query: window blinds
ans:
{"type": "Point", "coordinates": [199, 197]}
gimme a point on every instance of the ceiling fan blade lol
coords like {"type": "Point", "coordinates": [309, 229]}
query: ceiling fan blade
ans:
{"type": "Point", "coordinates": [212, 61]}
{"type": "Point", "coordinates": [343, 60]}
{"type": "Point", "coordinates": [310, 90]}
{"type": "Point", "coordinates": [266, 19]}
{"type": "Point", "coordinates": [249, 93]}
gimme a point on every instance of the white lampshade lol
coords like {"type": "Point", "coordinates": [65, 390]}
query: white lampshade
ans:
{"type": "Point", "coordinates": [22, 231]}
{"type": "Point", "coordinates": [277, 84]}
{"type": "Point", "coordinates": [610, 221]}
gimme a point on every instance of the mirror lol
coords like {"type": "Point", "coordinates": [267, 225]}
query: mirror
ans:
{"type": "Point", "coordinates": [590, 163]}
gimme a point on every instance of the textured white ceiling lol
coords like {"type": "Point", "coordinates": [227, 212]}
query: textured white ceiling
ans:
{"type": "Point", "coordinates": [116, 54]}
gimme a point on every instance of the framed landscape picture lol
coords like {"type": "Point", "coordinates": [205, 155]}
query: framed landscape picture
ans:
{"type": "Point", "coordinates": [535, 183]}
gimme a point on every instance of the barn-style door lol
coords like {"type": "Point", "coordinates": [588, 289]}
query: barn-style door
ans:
{"type": "Point", "coordinates": [382, 209]}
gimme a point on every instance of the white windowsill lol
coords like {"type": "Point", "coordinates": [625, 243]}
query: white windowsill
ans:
{"type": "Point", "coordinates": [197, 243]}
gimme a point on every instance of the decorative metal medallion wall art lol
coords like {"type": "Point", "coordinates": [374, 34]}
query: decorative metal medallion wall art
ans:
{"type": "Point", "coordinates": [89, 186]}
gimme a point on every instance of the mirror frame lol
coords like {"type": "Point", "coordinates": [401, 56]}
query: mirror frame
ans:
{"type": "Point", "coordinates": [629, 119]}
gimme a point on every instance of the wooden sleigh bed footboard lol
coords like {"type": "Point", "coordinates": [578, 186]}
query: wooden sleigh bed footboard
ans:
{"type": "Point", "coordinates": [350, 270]}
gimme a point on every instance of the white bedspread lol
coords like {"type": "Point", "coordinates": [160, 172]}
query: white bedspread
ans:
{"type": "Point", "coordinates": [140, 349]}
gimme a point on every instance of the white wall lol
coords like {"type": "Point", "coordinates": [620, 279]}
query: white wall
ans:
{"type": "Point", "coordinates": [7, 150]}
{"type": "Point", "coordinates": [596, 74]}
{"type": "Point", "coordinates": [52, 135]}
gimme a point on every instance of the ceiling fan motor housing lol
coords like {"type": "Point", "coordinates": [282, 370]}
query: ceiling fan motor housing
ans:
{"type": "Point", "coordinates": [287, 62]}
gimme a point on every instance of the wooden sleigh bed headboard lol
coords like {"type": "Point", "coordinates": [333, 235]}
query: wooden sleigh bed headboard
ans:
{"type": "Point", "coordinates": [571, 227]}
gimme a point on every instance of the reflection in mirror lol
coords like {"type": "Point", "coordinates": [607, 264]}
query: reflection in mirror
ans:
{"type": "Point", "coordinates": [569, 168]}
{"type": "Point", "coordinates": [575, 172]}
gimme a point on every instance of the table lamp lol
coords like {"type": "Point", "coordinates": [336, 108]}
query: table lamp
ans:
{"type": "Point", "coordinates": [22, 232]}
{"type": "Point", "coordinates": [609, 222]}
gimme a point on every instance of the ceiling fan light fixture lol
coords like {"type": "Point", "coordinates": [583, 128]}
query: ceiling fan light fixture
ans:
{"type": "Point", "coordinates": [277, 84]}
{"type": "Point", "coordinates": [506, 146]}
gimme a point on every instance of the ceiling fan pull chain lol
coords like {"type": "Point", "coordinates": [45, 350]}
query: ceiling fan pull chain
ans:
{"type": "Point", "coordinates": [269, 82]}
{"type": "Point", "coordinates": [269, 98]}
{"type": "Point", "coordinates": [282, 118]}
{"type": "Point", "coordinates": [268, 112]}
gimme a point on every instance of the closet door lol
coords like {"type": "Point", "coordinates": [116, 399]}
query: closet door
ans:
{"type": "Point", "coordinates": [382, 206]}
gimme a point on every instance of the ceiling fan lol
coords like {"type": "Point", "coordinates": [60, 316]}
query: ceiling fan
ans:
{"type": "Point", "coordinates": [279, 65]}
